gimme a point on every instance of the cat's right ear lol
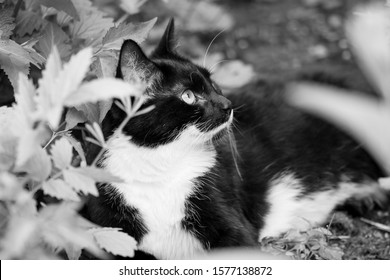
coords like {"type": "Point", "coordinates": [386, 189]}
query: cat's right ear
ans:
{"type": "Point", "coordinates": [133, 63]}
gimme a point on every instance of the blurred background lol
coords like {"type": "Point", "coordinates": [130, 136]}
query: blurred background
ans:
{"type": "Point", "coordinates": [269, 35]}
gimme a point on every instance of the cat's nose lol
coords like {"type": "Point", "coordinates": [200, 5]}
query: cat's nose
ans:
{"type": "Point", "coordinates": [226, 104]}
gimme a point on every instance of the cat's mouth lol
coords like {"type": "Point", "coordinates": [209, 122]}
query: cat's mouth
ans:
{"type": "Point", "coordinates": [221, 130]}
{"type": "Point", "coordinates": [214, 134]}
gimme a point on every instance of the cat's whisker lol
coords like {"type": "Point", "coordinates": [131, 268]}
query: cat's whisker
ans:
{"type": "Point", "coordinates": [209, 46]}
{"type": "Point", "coordinates": [234, 150]}
{"type": "Point", "coordinates": [212, 68]}
{"type": "Point", "coordinates": [238, 107]}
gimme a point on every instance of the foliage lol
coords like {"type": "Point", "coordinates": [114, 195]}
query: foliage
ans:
{"type": "Point", "coordinates": [78, 45]}
{"type": "Point", "coordinates": [303, 245]}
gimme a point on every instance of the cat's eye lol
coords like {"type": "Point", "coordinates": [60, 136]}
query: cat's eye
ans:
{"type": "Point", "coordinates": [188, 97]}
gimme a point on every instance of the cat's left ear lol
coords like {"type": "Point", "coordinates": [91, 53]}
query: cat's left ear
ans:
{"type": "Point", "coordinates": [167, 42]}
{"type": "Point", "coordinates": [134, 64]}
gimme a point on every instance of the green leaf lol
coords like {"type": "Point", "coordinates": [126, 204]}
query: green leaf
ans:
{"type": "Point", "coordinates": [38, 166]}
{"type": "Point", "coordinates": [364, 117]}
{"type": "Point", "coordinates": [114, 241]}
{"type": "Point", "coordinates": [114, 38]}
{"type": "Point", "coordinates": [74, 117]}
{"type": "Point", "coordinates": [7, 139]}
{"type": "Point", "coordinates": [105, 64]}
{"type": "Point", "coordinates": [6, 23]}
{"type": "Point", "coordinates": [77, 146]}
{"type": "Point", "coordinates": [80, 182]}
{"type": "Point", "coordinates": [104, 107]}
{"type": "Point", "coordinates": [28, 46]}
{"type": "Point", "coordinates": [61, 152]}
{"type": "Point", "coordinates": [59, 83]}
{"type": "Point", "coordinates": [368, 32]}
{"type": "Point", "coordinates": [331, 253]}
{"type": "Point", "coordinates": [102, 89]}
{"type": "Point", "coordinates": [27, 22]}
{"type": "Point", "coordinates": [90, 111]}
{"type": "Point", "coordinates": [14, 59]}
{"type": "Point", "coordinates": [93, 23]}
{"type": "Point", "coordinates": [54, 36]}
{"type": "Point", "coordinates": [61, 5]}
{"type": "Point", "coordinates": [59, 189]}
{"type": "Point", "coordinates": [29, 137]}
{"type": "Point", "coordinates": [62, 228]}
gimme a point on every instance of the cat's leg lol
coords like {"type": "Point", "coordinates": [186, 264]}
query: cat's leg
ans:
{"type": "Point", "coordinates": [291, 207]}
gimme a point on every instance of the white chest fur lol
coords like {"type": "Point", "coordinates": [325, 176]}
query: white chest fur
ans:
{"type": "Point", "coordinates": [157, 181]}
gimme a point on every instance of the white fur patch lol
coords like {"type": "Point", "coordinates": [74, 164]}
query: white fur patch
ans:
{"type": "Point", "coordinates": [290, 211]}
{"type": "Point", "coordinates": [157, 182]}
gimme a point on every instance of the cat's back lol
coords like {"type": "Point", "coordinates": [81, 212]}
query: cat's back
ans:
{"type": "Point", "coordinates": [301, 165]}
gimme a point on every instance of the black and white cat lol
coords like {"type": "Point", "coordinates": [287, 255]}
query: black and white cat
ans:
{"type": "Point", "coordinates": [185, 191]}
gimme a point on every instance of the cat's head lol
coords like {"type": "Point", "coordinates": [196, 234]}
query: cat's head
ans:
{"type": "Point", "coordinates": [186, 101]}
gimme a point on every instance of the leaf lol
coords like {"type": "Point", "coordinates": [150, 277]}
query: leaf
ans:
{"type": "Point", "coordinates": [102, 89]}
{"type": "Point", "coordinates": [29, 138]}
{"type": "Point", "coordinates": [38, 166]}
{"type": "Point", "coordinates": [131, 6]}
{"type": "Point", "coordinates": [93, 23]}
{"type": "Point", "coordinates": [58, 83]}
{"type": "Point", "coordinates": [331, 253]}
{"type": "Point", "coordinates": [61, 5]}
{"type": "Point", "coordinates": [114, 241]}
{"type": "Point", "coordinates": [59, 189]}
{"type": "Point", "coordinates": [99, 174]}
{"type": "Point", "coordinates": [62, 228]}
{"type": "Point", "coordinates": [368, 34]}
{"type": "Point", "coordinates": [77, 146]}
{"type": "Point", "coordinates": [80, 182]}
{"type": "Point", "coordinates": [61, 152]}
{"type": "Point", "coordinates": [6, 23]}
{"type": "Point", "coordinates": [90, 111]}
{"type": "Point", "coordinates": [28, 143]}
{"type": "Point", "coordinates": [28, 46]}
{"type": "Point", "coordinates": [97, 133]}
{"type": "Point", "coordinates": [105, 64]}
{"type": "Point", "coordinates": [104, 107]}
{"type": "Point", "coordinates": [115, 36]}
{"type": "Point", "coordinates": [14, 59]}
{"type": "Point", "coordinates": [54, 36]}
{"type": "Point", "coordinates": [364, 117]}
{"type": "Point", "coordinates": [24, 98]}
{"type": "Point", "coordinates": [27, 22]}
{"type": "Point", "coordinates": [74, 117]}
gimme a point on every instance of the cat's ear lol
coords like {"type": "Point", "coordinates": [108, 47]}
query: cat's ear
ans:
{"type": "Point", "coordinates": [167, 42]}
{"type": "Point", "coordinates": [134, 65]}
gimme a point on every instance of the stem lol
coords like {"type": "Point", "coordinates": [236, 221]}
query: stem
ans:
{"type": "Point", "coordinates": [98, 156]}
{"type": "Point", "coordinates": [53, 136]}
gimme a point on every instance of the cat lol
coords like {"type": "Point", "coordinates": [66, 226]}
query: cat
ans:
{"type": "Point", "coordinates": [198, 174]}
